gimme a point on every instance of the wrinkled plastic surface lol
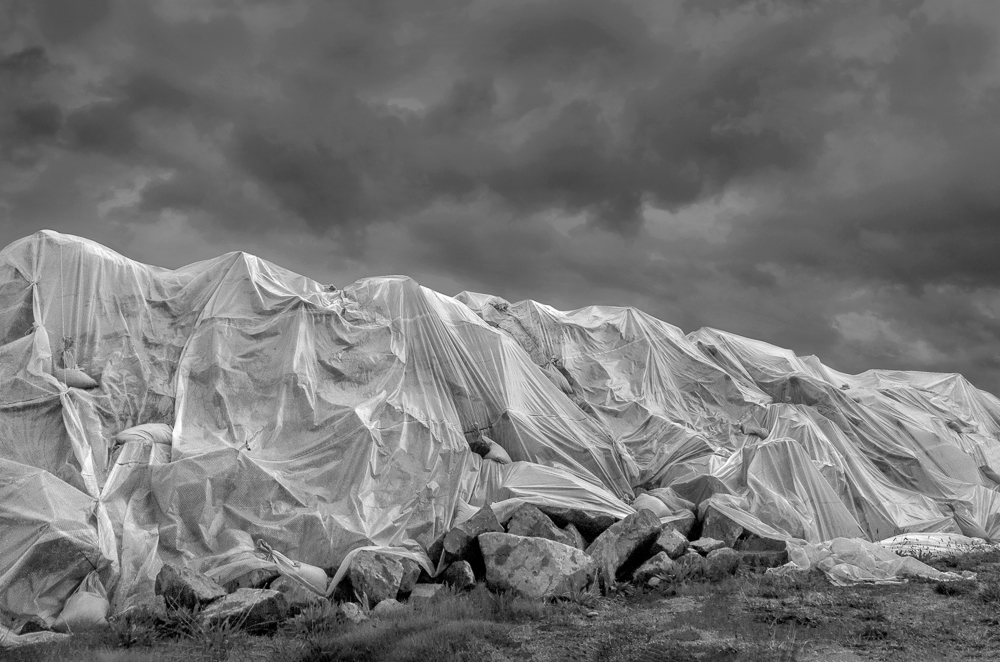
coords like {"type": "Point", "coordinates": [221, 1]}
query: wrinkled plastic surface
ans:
{"type": "Point", "coordinates": [327, 421]}
{"type": "Point", "coordinates": [847, 562]}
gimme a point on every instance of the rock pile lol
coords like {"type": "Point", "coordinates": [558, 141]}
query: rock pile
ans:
{"type": "Point", "coordinates": [533, 553]}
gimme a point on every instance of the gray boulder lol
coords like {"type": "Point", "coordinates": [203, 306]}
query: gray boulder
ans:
{"type": "Point", "coordinates": [460, 542]}
{"type": "Point", "coordinates": [411, 573]}
{"type": "Point", "coordinates": [706, 546]}
{"type": "Point", "coordinates": [375, 576]}
{"type": "Point", "coordinates": [719, 527]}
{"type": "Point", "coordinates": [721, 563]}
{"type": "Point", "coordinates": [534, 567]}
{"type": "Point", "coordinates": [459, 575]}
{"type": "Point", "coordinates": [248, 608]}
{"type": "Point", "coordinates": [574, 534]}
{"type": "Point", "coordinates": [621, 547]}
{"type": "Point", "coordinates": [529, 521]}
{"type": "Point", "coordinates": [750, 542]}
{"type": "Point", "coordinates": [763, 560]}
{"type": "Point", "coordinates": [387, 606]}
{"type": "Point", "coordinates": [670, 541]}
{"type": "Point", "coordinates": [691, 565]}
{"type": "Point", "coordinates": [424, 593]}
{"type": "Point", "coordinates": [660, 565]}
{"type": "Point", "coordinates": [182, 587]}
{"type": "Point", "coordinates": [298, 597]}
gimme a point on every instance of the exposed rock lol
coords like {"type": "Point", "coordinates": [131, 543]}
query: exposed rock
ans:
{"type": "Point", "coordinates": [721, 563]}
{"type": "Point", "coordinates": [683, 522]}
{"type": "Point", "coordinates": [529, 521]}
{"type": "Point", "coordinates": [353, 612]}
{"type": "Point", "coordinates": [660, 565]}
{"type": "Point", "coordinates": [719, 527]}
{"type": "Point", "coordinates": [387, 606]}
{"type": "Point", "coordinates": [590, 523]}
{"type": "Point", "coordinates": [248, 608]}
{"type": "Point", "coordinates": [182, 587]}
{"type": "Point", "coordinates": [298, 597]}
{"type": "Point", "coordinates": [653, 582]}
{"type": "Point", "coordinates": [424, 593]}
{"type": "Point", "coordinates": [706, 546]}
{"type": "Point", "coordinates": [574, 534]}
{"type": "Point", "coordinates": [460, 543]}
{"type": "Point", "coordinates": [534, 567]}
{"type": "Point", "coordinates": [459, 575]}
{"type": "Point", "coordinates": [691, 565]}
{"type": "Point", "coordinates": [257, 578]}
{"type": "Point", "coordinates": [763, 560]}
{"type": "Point", "coordinates": [750, 542]}
{"type": "Point", "coordinates": [670, 541]}
{"type": "Point", "coordinates": [411, 573]}
{"type": "Point", "coordinates": [620, 548]}
{"type": "Point", "coordinates": [375, 576]}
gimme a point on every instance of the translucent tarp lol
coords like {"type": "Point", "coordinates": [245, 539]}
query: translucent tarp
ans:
{"type": "Point", "coordinates": [322, 421]}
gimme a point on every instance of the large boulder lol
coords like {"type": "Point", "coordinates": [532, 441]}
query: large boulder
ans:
{"type": "Point", "coordinates": [298, 597]}
{"type": "Point", "coordinates": [670, 541]}
{"type": "Point", "coordinates": [375, 576]}
{"type": "Point", "coordinates": [183, 588]}
{"type": "Point", "coordinates": [624, 545]}
{"type": "Point", "coordinates": [763, 560]}
{"type": "Point", "coordinates": [459, 575]}
{"type": "Point", "coordinates": [253, 609]}
{"type": "Point", "coordinates": [534, 567]}
{"type": "Point", "coordinates": [460, 544]}
{"type": "Point", "coordinates": [719, 527]}
{"type": "Point", "coordinates": [529, 521]}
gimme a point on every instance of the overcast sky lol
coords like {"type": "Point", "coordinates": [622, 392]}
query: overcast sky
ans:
{"type": "Point", "coordinates": [824, 176]}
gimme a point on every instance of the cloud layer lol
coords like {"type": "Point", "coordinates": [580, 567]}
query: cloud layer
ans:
{"type": "Point", "coordinates": [817, 175]}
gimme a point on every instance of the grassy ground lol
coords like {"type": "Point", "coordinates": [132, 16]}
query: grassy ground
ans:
{"type": "Point", "coordinates": [750, 617]}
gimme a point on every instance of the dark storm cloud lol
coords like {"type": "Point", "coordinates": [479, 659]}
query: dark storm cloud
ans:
{"type": "Point", "coordinates": [820, 175]}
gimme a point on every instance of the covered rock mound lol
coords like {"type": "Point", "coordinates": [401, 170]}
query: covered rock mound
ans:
{"type": "Point", "coordinates": [316, 422]}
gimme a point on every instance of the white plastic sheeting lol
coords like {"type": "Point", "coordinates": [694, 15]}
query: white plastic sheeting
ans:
{"type": "Point", "coordinates": [323, 421]}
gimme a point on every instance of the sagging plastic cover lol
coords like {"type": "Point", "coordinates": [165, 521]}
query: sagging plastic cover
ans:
{"type": "Point", "coordinates": [322, 421]}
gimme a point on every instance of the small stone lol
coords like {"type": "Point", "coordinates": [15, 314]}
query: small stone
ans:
{"type": "Point", "coordinates": [653, 582]}
{"type": "Point", "coordinates": [352, 612]}
{"type": "Point", "coordinates": [660, 565]}
{"type": "Point", "coordinates": [459, 575]}
{"type": "Point", "coordinates": [592, 614]}
{"type": "Point", "coordinates": [691, 565]}
{"type": "Point", "coordinates": [705, 546]}
{"type": "Point", "coordinates": [387, 606]}
{"type": "Point", "coordinates": [248, 608]}
{"type": "Point", "coordinates": [298, 597]}
{"type": "Point", "coordinates": [722, 563]}
{"type": "Point", "coordinates": [424, 593]}
{"type": "Point", "coordinates": [670, 541]}
{"type": "Point", "coordinates": [529, 521]}
{"type": "Point", "coordinates": [183, 588]}
{"type": "Point", "coordinates": [375, 576]}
